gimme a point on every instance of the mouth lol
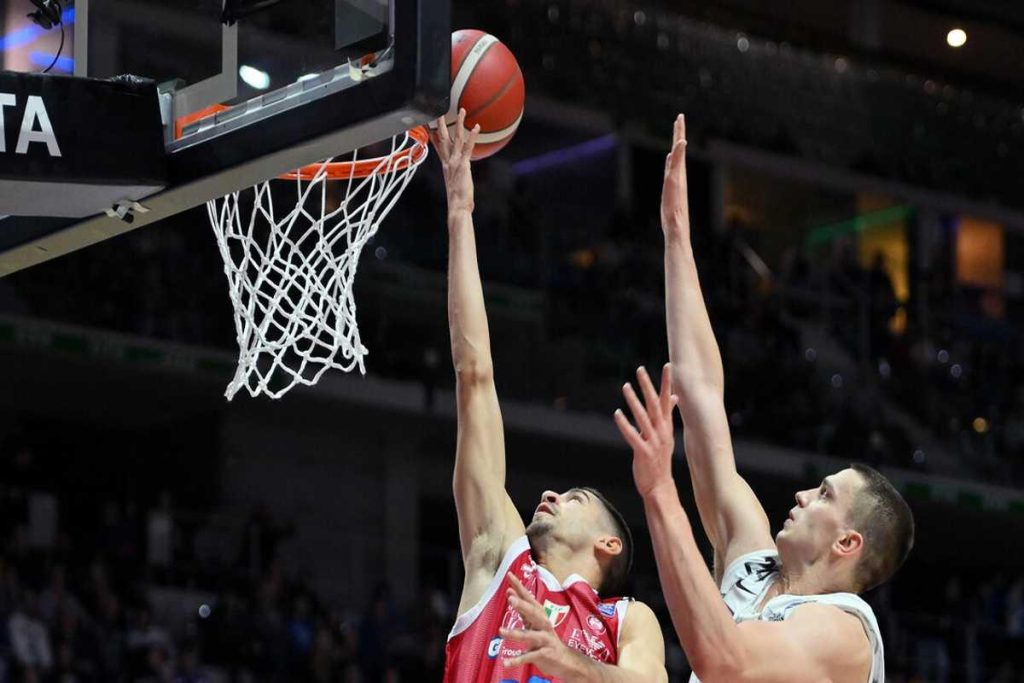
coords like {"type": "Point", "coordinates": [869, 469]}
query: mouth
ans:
{"type": "Point", "coordinates": [545, 508]}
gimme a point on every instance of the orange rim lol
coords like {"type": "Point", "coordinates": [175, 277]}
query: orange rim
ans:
{"type": "Point", "coordinates": [335, 170]}
{"type": "Point", "coordinates": [346, 170]}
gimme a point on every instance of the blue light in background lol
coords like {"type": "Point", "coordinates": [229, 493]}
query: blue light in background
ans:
{"type": "Point", "coordinates": [567, 155]}
{"type": "Point", "coordinates": [23, 36]}
{"type": "Point", "coordinates": [44, 60]}
{"type": "Point", "coordinates": [20, 37]}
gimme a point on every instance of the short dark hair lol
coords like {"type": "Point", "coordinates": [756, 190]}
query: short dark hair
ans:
{"type": "Point", "coordinates": [885, 521]}
{"type": "Point", "coordinates": [616, 579]}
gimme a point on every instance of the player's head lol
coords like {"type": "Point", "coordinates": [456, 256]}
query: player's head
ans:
{"type": "Point", "coordinates": [585, 521]}
{"type": "Point", "coordinates": [856, 522]}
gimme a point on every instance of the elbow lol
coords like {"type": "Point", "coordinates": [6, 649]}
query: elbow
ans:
{"type": "Point", "coordinates": [717, 674]}
{"type": "Point", "coordinates": [719, 666]}
{"type": "Point", "coordinates": [714, 674]}
{"type": "Point", "coordinates": [472, 373]}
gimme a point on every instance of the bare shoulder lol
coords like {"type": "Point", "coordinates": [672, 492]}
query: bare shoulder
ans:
{"type": "Point", "coordinates": [836, 638]}
{"type": "Point", "coordinates": [640, 621]}
{"type": "Point", "coordinates": [641, 644]}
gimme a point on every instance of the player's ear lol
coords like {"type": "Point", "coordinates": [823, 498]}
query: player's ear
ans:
{"type": "Point", "coordinates": [608, 544]}
{"type": "Point", "coordinates": [850, 544]}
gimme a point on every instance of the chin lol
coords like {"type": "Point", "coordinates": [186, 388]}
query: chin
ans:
{"type": "Point", "coordinates": [539, 528]}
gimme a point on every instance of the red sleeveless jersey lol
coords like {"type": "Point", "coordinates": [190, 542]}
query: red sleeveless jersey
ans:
{"type": "Point", "coordinates": [475, 652]}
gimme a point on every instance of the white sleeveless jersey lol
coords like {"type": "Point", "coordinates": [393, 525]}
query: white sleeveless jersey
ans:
{"type": "Point", "coordinates": [746, 582]}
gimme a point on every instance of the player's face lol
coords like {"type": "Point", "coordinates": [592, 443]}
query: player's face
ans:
{"type": "Point", "coordinates": [820, 516]}
{"type": "Point", "coordinates": [572, 516]}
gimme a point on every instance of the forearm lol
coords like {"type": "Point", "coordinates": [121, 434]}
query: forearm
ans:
{"type": "Point", "coordinates": [700, 617]}
{"type": "Point", "coordinates": [589, 671]}
{"type": "Point", "coordinates": [467, 317]}
{"type": "Point", "coordinates": [693, 351]}
{"type": "Point", "coordinates": [697, 376]}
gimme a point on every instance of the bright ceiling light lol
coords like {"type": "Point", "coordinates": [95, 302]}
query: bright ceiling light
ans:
{"type": "Point", "coordinates": [254, 77]}
{"type": "Point", "coordinates": [956, 37]}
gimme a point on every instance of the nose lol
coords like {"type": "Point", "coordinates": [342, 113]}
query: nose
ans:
{"type": "Point", "coordinates": [801, 497]}
{"type": "Point", "coordinates": [549, 497]}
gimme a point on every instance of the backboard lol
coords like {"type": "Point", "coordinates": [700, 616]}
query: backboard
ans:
{"type": "Point", "coordinates": [287, 69]}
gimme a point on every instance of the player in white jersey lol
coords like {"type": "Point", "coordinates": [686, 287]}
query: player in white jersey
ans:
{"type": "Point", "coordinates": [784, 608]}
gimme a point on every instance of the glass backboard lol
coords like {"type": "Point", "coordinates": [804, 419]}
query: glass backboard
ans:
{"type": "Point", "coordinates": [295, 75]}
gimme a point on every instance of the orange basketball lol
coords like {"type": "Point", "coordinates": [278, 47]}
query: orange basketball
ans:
{"type": "Point", "coordinates": [487, 83]}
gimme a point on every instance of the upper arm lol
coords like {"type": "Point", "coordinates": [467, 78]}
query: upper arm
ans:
{"type": "Point", "coordinates": [817, 643]}
{"type": "Point", "coordinates": [642, 645]}
{"type": "Point", "coordinates": [731, 514]}
{"type": "Point", "coordinates": [488, 520]}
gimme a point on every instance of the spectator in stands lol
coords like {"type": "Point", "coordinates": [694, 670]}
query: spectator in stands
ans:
{"type": "Point", "coordinates": [30, 641]}
{"type": "Point", "coordinates": [56, 599]}
{"type": "Point", "coordinates": [149, 648]}
{"type": "Point", "coordinates": [160, 536]}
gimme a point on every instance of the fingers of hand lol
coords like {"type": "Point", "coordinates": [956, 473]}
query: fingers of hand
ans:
{"type": "Point", "coordinates": [643, 422]}
{"type": "Point", "coordinates": [527, 606]}
{"type": "Point", "coordinates": [528, 658]}
{"type": "Point", "coordinates": [628, 431]}
{"type": "Point", "coordinates": [471, 140]}
{"type": "Point", "coordinates": [460, 128]}
{"type": "Point", "coordinates": [518, 587]}
{"type": "Point", "coordinates": [650, 397]}
{"type": "Point", "coordinates": [456, 145]}
{"type": "Point", "coordinates": [531, 639]}
{"type": "Point", "coordinates": [442, 130]}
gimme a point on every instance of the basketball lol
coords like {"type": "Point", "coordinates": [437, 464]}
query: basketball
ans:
{"type": "Point", "coordinates": [487, 83]}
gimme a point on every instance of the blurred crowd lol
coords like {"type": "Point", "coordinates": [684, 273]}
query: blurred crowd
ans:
{"type": "Point", "coordinates": [103, 588]}
{"type": "Point", "coordinates": [962, 627]}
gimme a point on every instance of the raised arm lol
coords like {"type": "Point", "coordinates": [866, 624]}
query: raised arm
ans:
{"type": "Point", "coordinates": [730, 512]}
{"type": "Point", "coordinates": [817, 643]}
{"type": "Point", "coordinates": [488, 521]}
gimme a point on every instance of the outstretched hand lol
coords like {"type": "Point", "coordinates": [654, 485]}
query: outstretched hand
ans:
{"type": "Point", "coordinates": [544, 649]}
{"type": "Point", "coordinates": [455, 149]}
{"type": "Point", "coordinates": [654, 441]}
{"type": "Point", "coordinates": [675, 208]}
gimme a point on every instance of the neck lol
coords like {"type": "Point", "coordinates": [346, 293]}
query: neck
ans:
{"type": "Point", "coordinates": [559, 559]}
{"type": "Point", "coordinates": [810, 579]}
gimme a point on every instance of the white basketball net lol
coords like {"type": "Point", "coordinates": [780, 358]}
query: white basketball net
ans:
{"type": "Point", "coordinates": [290, 275]}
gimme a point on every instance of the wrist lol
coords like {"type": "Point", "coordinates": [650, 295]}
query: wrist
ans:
{"type": "Point", "coordinates": [661, 492]}
{"type": "Point", "coordinates": [676, 232]}
{"type": "Point", "coordinates": [581, 668]}
{"type": "Point", "coordinates": [458, 207]}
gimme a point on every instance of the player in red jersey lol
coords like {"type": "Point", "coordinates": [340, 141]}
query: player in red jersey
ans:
{"type": "Point", "coordinates": [536, 605]}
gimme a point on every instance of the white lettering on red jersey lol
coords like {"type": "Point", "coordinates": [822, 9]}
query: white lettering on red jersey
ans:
{"type": "Point", "coordinates": [476, 653]}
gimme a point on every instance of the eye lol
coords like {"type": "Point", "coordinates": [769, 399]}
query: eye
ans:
{"type": "Point", "coordinates": [823, 491]}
